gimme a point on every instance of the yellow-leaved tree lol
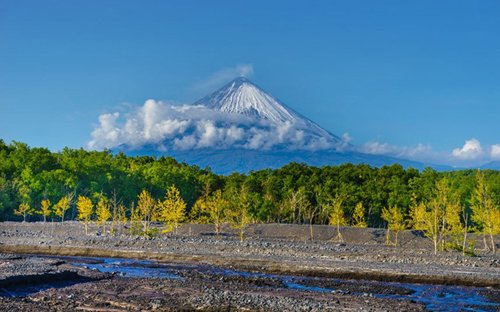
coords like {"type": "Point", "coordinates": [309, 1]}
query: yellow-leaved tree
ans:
{"type": "Point", "coordinates": [430, 217]}
{"type": "Point", "coordinates": [453, 229]}
{"type": "Point", "coordinates": [359, 216]}
{"type": "Point", "coordinates": [238, 213]}
{"type": "Point", "coordinates": [103, 212]}
{"type": "Point", "coordinates": [85, 209]}
{"type": "Point", "coordinates": [145, 210]}
{"type": "Point", "coordinates": [23, 210]}
{"type": "Point", "coordinates": [484, 212]}
{"type": "Point", "coordinates": [121, 215]}
{"type": "Point", "coordinates": [118, 212]}
{"type": "Point", "coordinates": [172, 210]}
{"type": "Point", "coordinates": [337, 216]}
{"type": "Point", "coordinates": [427, 218]}
{"type": "Point", "coordinates": [45, 209]}
{"type": "Point", "coordinates": [395, 223]}
{"type": "Point", "coordinates": [61, 206]}
{"type": "Point", "coordinates": [212, 209]}
{"type": "Point", "coordinates": [135, 220]}
{"type": "Point", "coordinates": [195, 214]}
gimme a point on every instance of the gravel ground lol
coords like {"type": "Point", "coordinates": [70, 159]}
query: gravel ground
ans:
{"type": "Point", "coordinates": [283, 249]}
{"type": "Point", "coordinates": [271, 248]}
{"type": "Point", "coordinates": [195, 290]}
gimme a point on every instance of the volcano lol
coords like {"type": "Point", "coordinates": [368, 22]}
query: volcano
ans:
{"type": "Point", "coordinates": [244, 128]}
{"type": "Point", "coordinates": [241, 96]}
{"type": "Point", "coordinates": [244, 98]}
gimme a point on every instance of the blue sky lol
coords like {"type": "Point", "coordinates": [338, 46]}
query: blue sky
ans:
{"type": "Point", "coordinates": [410, 78]}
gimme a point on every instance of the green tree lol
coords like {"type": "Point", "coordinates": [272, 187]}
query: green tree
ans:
{"type": "Point", "coordinates": [118, 212]}
{"type": "Point", "coordinates": [308, 211]}
{"type": "Point", "coordinates": [24, 209]}
{"type": "Point", "coordinates": [296, 207]}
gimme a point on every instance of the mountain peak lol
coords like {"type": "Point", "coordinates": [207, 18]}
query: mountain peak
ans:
{"type": "Point", "coordinates": [241, 80]}
{"type": "Point", "coordinates": [241, 96]}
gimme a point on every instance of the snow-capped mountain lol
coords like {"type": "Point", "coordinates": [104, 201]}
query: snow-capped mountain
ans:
{"type": "Point", "coordinates": [239, 127]}
{"type": "Point", "coordinates": [243, 97]}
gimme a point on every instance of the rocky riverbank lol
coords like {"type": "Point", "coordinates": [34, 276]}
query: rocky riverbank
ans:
{"type": "Point", "coordinates": [278, 249]}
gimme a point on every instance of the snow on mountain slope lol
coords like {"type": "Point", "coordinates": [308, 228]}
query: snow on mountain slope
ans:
{"type": "Point", "coordinates": [239, 127]}
{"type": "Point", "coordinates": [243, 97]}
{"type": "Point", "coordinates": [239, 115]}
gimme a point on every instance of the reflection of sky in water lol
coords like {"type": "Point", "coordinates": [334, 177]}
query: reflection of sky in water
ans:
{"type": "Point", "coordinates": [435, 297]}
{"type": "Point", "coordinates": [447, 298]}
{"type": "Point", "coordinates": [129, 268]}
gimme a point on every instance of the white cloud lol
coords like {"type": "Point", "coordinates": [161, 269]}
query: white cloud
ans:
{"type": "Point", "coordinates": [346, 137]}
{"type": "Point", "coordinates": [181, 127]}
{"type": "Point", "coordinates": [472, 153]}
{"type": "Point", "coordinates": [471, 150]}
{"type": "Point", "coordinates": [165, 126]}
{"type": "Point", "coordinates": [223, 76]}
{"type": "Point", "coordinates": [107, 132]}
{"type": "Point", "coordinates": [495, 151]}
{"type": "Point", "coordinates": [420, 152]}
{"type": "Point", "coordinates": [377, 148]}
{"type": "Point", "coordinates": [374, 147]}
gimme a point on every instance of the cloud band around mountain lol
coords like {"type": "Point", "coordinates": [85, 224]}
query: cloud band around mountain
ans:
{"type": "Point", "coordinates": [182, 127]}
{"type": "Point", "coordinates": [165, 126]}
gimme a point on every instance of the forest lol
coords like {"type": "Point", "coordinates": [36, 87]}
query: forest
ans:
{"type": "Point", "coordinates": [37, 184]}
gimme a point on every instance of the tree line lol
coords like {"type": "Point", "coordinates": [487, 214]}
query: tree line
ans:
{"type": "Point", "coordinates": [36, 184]}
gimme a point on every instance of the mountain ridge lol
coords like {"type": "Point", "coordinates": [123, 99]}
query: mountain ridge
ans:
{"type": "Point", "coordinates": [244, 160]}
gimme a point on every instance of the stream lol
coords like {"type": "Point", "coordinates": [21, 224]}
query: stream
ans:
{"type": "Point", "coordinates": [434, 297]}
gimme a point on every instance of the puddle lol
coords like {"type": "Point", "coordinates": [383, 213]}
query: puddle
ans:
{"type": "Point", "coordinates": [127, 268]}
{"type": "Point", "coordinates": [21, 286]}
{"type": "Point", "coordinates": [26, 290]}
